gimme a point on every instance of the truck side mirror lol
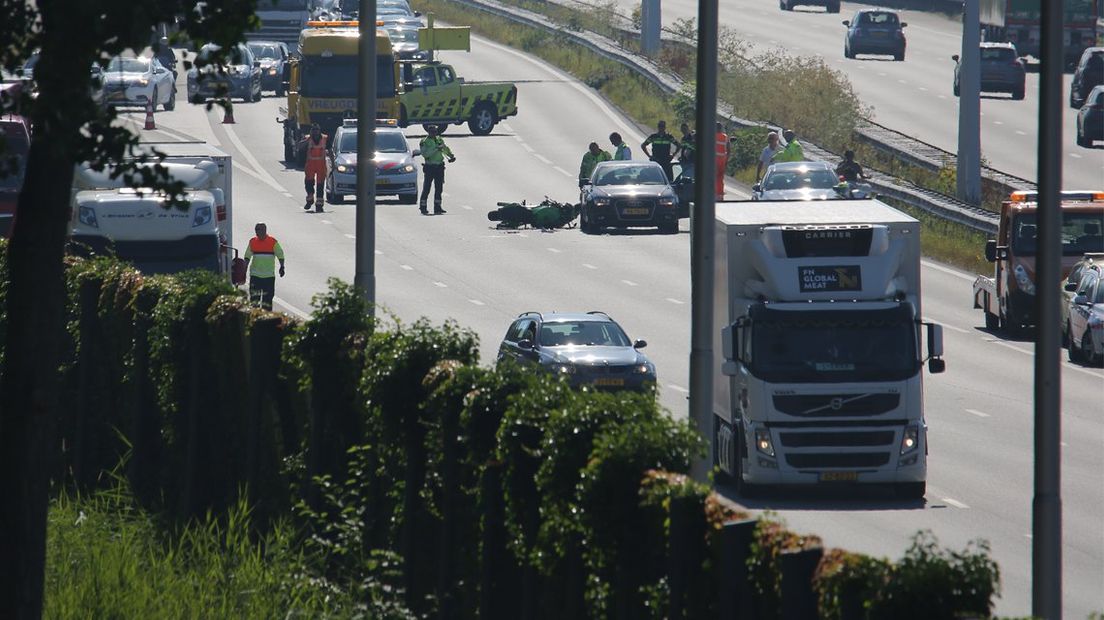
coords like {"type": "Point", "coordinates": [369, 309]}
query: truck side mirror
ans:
{"type": "Point", "coordinates": [935, 340]}
{"type": "Point", "coordinates": [991, 250]}
{"type": "Point", "coordinates": [936, 365]}
{"type": "Point", "coordinates": [730, 342]}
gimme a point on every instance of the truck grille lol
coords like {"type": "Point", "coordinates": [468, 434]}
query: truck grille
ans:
{"type": "Point", "coordinates": [816, 460]}
{"type": "Point", "coordinates": [829, 405]}
{"type": "Point", "coordinates": [835, 440]}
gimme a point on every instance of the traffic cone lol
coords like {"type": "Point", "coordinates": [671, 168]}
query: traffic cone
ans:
{"type": "Point", "coordinates": [228, 114]}
{"type": "Point", "coordinates": [149, 116]}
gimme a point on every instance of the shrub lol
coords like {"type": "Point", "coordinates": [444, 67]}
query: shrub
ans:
{"type": "Point", "coordinates": [844, 581]}
{"type": "Point", "coordinates": [764, 563]}
{"type": "Point", "coordinates": [745, 145]}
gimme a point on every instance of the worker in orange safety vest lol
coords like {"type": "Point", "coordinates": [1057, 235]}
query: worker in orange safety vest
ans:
{"type": "Point", "coordinates": [722, 160]}
{"type": "Point", "coordinates": [315, 168]}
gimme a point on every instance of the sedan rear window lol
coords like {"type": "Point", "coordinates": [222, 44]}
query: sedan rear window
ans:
{"type": "Point", "coordinates": [879, 19]}
{"type": "Point", "coordinates": [998, 54]}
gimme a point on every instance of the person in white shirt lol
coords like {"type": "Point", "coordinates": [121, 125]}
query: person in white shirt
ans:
{"type": "Point", "coordinates": [767, 154]}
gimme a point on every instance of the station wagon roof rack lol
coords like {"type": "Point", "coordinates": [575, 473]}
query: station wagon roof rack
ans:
{"type": "Point", "coordinates": [601, 313]}
{"type": "Point", "coordinates": [538, 314]}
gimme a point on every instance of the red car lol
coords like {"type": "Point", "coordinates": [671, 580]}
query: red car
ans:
{"type": "Point", "coordinates": [15, 142]}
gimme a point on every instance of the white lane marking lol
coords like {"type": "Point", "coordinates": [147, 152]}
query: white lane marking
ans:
{"type": "Point", "coordinates": [678, 388]}
{"type": "Point", "coordinates": [440, 284]}
{"type": "Point", "coordinates": [1067, 365]}
{"type": "Point", "coordinates": [674, 301]}
{"type": "Point", "coordinates": [1075, 155]}
{"type": "Point", "coordinates": [589, 266]}
{"type": "Point", "coordinates": [562, 171]}
{"type": "Point", "coordinates": [554, 250]}
{"type": "Point", "coordinates": [466, 207]}
{"type": "Point", "coordinates": [528, 148]}
{"type": "Point", "coordinates": [290, 308]}
{"type": "Point", "coordinates": [407, 267]}
{"type": "Point", "coordinates": [350, 236]}
{"type": "Point", "coordinates": [954, 502]}
{"type": "Point", "coordinates": [902, 81]}
{"type": "Point", "coordinates": [379, 253]}
{"type": "Point", "coordinates": [542, 158]}
{"type": "Point", "coordinates": [477, 302]}
{"type": "Point", "coordinates": [947, 325]}
{"type": "Point", "coordinates": [1021, 133]}
{"type": "Point", "coordinates": [880, 74]}
{"type": "Point", "coordinates": [327, 222]}
{"type": "Point", "coordinates": [629, 282]}
{"type": "Point", "coordinates": [948, 270]}
{"type": "Point", "coordinates": [980, 414]}
{"type": "Point", "coordinates": [923, 89]}
{"type": "Point", "coordinates": [942, 96]}
{"type": "Point", "coordinates": [240, 146]}
{"type": "Point", "coordinates": [519, 138]}
{"type": "Point", "coordinates": [998, 122]}
{"type": "Point", "coordinates": [1009, 346]}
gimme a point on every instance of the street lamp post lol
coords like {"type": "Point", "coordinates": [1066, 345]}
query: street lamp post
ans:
{"type": "Point", "coordinates": [365, 278]}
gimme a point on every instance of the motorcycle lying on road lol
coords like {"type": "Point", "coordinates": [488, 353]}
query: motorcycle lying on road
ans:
{"type": "Point", "coordinates": [546, 215]}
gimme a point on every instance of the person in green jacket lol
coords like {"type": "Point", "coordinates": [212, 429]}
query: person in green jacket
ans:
{"type": "Point", "coordinates": [792, 151]}
{"type": "Point", "coordinates": [591, 158]}
{"type": "Point", "coordinates": [434, 151]}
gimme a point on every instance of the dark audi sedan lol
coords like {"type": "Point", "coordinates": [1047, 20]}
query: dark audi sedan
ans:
{"type": "Point", "coordinates": [625, 194]}
{"type": "Point", "coordinates": [874, 31]}
{"type": "Point", "coordinates": [588, 349]}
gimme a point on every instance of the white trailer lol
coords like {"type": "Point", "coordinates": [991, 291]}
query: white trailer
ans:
{"type": "Point", "coordinates": [135, 225]}
{"type": "Point", "coordinates": [818, 378]}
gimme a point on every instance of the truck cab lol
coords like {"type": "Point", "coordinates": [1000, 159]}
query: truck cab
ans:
{"type": "Point", "coordinates": [1007, 299]}
{"type": "Point", "coordinates": [819, 378]}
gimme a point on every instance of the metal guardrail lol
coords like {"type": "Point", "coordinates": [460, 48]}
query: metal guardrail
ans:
{"type": "Point", "coordinates": [882, 137]}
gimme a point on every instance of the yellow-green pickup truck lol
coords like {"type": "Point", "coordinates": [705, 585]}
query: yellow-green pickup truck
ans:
{"type": "Point", "coordinates": [434, 95]}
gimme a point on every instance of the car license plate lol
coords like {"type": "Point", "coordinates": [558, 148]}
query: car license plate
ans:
{"type": "Point", "coordinates": [383, 181]}
{"type": "Point", "coordinates": [117, 96]}
{"type": "Point", "coordinates": [635, 211]}
{"type": "Point", "coordinates": [609, 382]}
{"type": "Point", "coordinates": [839, 476]}
{"type": "Point", "coordinates": [878, 35]}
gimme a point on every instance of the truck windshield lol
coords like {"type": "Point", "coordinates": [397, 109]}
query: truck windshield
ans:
{"type": "Point", "coordinates": [1081, 233]}
{"type": "Point", "coordinates": [834, 346]}
{"type": "Point", "coordinates": [336, 77]}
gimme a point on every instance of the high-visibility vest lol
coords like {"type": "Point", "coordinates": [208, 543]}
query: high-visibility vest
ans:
{"type": "Point", "coordinates": [317, 152]}
{"type": "Point", "coordinates": [722, 145]}
{"type": "Point", "coordinates": [262, 255]}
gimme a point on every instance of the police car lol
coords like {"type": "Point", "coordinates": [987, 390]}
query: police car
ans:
{"type": "Point", "coordinates": [396, 174]}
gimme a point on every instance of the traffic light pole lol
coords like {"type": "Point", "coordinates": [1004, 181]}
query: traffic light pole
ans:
{"type": "Point", "coordinates": [365, 277]}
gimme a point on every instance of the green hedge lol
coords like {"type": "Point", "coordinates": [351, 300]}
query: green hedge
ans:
{"type": "Point", "coordinates": [489, 492]}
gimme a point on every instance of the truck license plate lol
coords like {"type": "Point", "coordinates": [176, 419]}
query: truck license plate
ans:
{"type": "Point", "coordinates": [635, 211]}
{"type": "Point", "coordinates": [839, 476]}
{"type": "Point", "coordinates": [609, 382]}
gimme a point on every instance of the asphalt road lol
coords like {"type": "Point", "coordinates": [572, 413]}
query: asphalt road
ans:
{"type": "Point", "coordinates": [457, 266]}
{"type": "Point", "coordinates": [913, 96]}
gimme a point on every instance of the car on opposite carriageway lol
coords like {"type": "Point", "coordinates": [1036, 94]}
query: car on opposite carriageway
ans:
{"type": "Point", "coordinates": [874, 31]}
{"type": "Point", "coordinates": [589, 349]}
{"type": "Point", "coordinates": [627, 194]}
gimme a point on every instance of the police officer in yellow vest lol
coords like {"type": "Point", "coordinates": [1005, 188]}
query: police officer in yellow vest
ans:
{"type": "Point", "coordinates": [792, 151]}
{"type": "Point", "coordinates": [434, 151]}
{"type": "Point", "coordinates": [261, 254]}
{"type": "Point", "coordinates": [594, 156]}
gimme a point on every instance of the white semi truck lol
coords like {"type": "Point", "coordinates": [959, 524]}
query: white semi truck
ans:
{"type": "Point", "coordinates": [135, 225]}
{"type": "Point", "coordinates": [819, 360]}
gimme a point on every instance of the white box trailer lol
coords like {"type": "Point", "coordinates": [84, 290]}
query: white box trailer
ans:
{"type": "Point", "coordinates": [818, 373]}
{"type": "Point", "coordinates": [135, 225]}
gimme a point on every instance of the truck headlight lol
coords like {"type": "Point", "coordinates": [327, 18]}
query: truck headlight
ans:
{"type": "Point", "coordinates": [87, 216]}
{"type": "Point", "coordinates": [1023, 280]}
{"type": "Point", "coordinates": [564, 369]}
{"type": "Point", "coordinates": [763, 442]}
{"type": "Point", "coordinates": [202, 216]}
{"type": "Point", "coordinates": [911, 439]}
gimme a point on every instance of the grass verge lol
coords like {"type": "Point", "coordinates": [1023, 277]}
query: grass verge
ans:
{"type": "Point", "coordinates": [108, 559]}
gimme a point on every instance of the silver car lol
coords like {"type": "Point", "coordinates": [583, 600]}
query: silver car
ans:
{"type": "Point", "coordinates": [797, 180]}
{"type": "Point", "coordinates": [241, 77]}
{"type": "Point", "coordinates": [404, 43]}
{"type": "Point", "coordinates": [396, 174]}
{"type": "Point", "coordinates": [137, 82]}
{"type": "Point", "coordinates": [1086, 320]}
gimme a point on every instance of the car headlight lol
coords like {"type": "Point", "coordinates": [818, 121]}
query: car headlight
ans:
{"type": "Point", "coordinates": [343, 168]}
{"type": "Point", "coordinates": [763, 442]}
{"type": "Point", "coordinates": [142, 82]}
{"type": "Point", "coordinates": [87, 216]}
{"type": "Point", "coordinates": [601, 202]}
{"type": "Point", "coordinates": [236, 71]}
{"type": "Point", "coordinates": [408, 168]}
{"type": "Point", "coordinates": [667, 202]}
{"type": "Point", "coordinates": [911, 439]}
{"type": "Point", "coordinates": [202, 216]}
{"type": "Point", "coordinates": [272, 71]}
{"type": "Point", "coordinates": [564, 369]}
{"type": "Point", "coordinates": [644, 369]}
{"type": "Point", "coordinates": [1023, 280]}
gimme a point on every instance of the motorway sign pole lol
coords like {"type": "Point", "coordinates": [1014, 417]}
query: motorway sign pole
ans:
{"type": "Point", "coordinates": [701, 236]}
{"type": "Point", "coordinates": [365, 278]}
{"type": "Point", "coordinates": [1046, 508]}
{"type": "Point", "coordinates": [969, 106]}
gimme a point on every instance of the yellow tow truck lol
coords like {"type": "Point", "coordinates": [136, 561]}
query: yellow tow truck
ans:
{"type": "Point", "coordinates": [322, 82]}
{"type": "Point", "coordinates": [432, 93]}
